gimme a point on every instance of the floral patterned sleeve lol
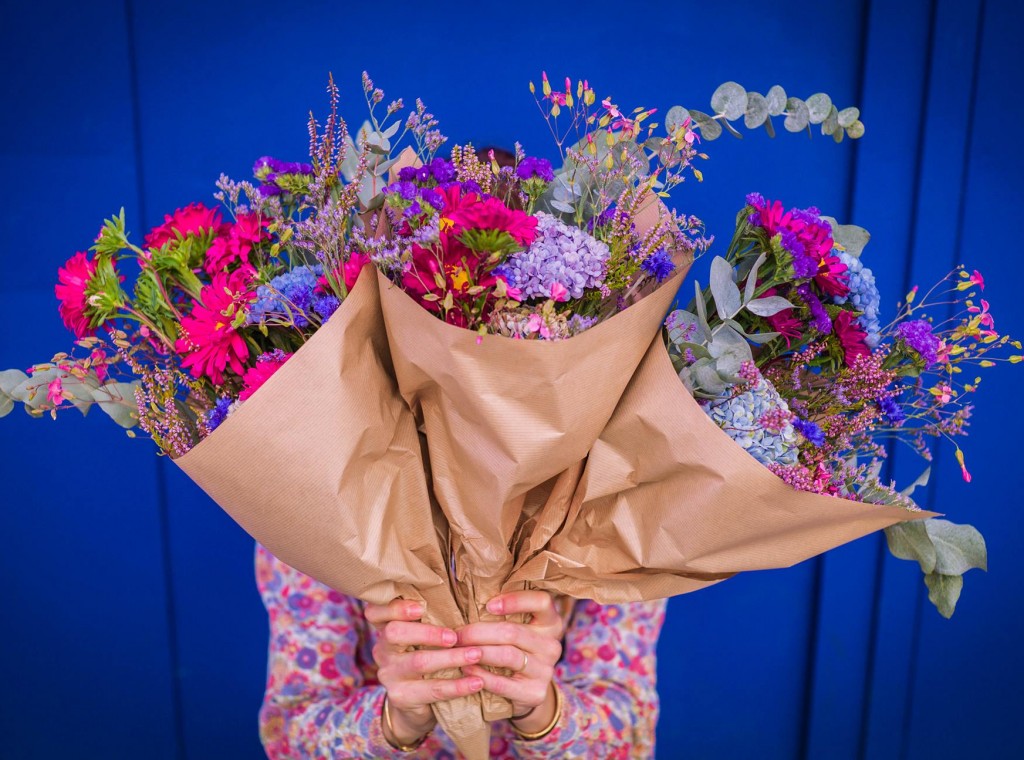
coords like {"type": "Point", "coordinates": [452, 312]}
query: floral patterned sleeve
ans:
{"type": "Point", "coordinates": [323, 700]}
{"type": "Point", "coordinates": [607, 678]}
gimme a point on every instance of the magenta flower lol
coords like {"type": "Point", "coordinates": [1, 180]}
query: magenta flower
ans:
{"type": "Point", "coordinates": [208, 338]}
{"type": "Point", "coordinates": [55, 392]}
{"type": "Point", "coordinates": [73, 279]}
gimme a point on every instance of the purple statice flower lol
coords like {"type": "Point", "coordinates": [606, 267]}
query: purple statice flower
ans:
{"type": "Point", "coordinates": [289, 295]}
{"type": "Point", "coordinates": [809, 430]}
{"type": "Point", "coordinates": [917, 334]}
{"type": "Point", "coordinates": [432, 198]}
{"type": "Point", "coordinates": [407, 174]}
{"type": "Point", "coordinates": [892, 410]}
{"type": "Point", "coordinates": [864, 297]}
{"type": "Point", "coordinates": [658, 265]}
{"type": "Point", "coordinates": [531, 167]}
{"type": "Point", "coordinates": [442, 170]}
{"type": "Point", "coordinates": [405, 189]}
{"type": "Point", "coordinates": [560, 254]}
{"type": "Point", "coordinates": [804, 265]}
{"type": "Point", "coordinates": [578, 323]}
{"type": "Point", "coordinates": [820, 320]}
{"type": "Point", "coordinates": [219, 413]}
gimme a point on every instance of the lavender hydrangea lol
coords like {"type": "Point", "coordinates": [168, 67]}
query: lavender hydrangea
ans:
{"type": "Point", "coordinates": [863, 295]}
{"type": "Point", "coordinates": [287, 295]}
{"type": "Point", "coordinates": [740, 417]}
{"type": "Point", "coordinates": [917, 334]}
{"type": "Point", "coordinates": [560, 254]}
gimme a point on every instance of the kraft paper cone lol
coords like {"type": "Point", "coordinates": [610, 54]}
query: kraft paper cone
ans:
{"type": "Point", "coordinates": [669, 504]}
{"type": "Point", "coordinates": [323, 466]}
{"type": "Point", "coordinates": [505, 416]}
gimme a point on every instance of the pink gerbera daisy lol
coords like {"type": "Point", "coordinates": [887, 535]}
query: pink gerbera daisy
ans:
{"type": "Point", "coordinates": [208, 339]}
{"type": "Point", "coordinates": [194, 219]}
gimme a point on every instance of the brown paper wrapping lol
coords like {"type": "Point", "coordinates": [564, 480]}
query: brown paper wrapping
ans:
{"type": "Point", "coordinates": [583, 467]}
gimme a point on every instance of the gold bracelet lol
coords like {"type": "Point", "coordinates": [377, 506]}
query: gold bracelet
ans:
{"type": "Point", "coordinates": [391, 730]}
{"type": "Point", "coordinates": [550, 726]}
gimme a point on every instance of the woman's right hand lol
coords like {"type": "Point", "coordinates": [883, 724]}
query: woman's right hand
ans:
{"type": "Point", "coordinates": [403, 671]}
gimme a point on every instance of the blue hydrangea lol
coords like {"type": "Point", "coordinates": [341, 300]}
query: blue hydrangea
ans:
{"type": "Point", "coordinates": [864, 297]}
{"type": "Point", "coordinates": [560, 253]}
{"type": "Point", "coordinates": [288, 294]}
{"type": "Point", "coordinates": [739, 417]}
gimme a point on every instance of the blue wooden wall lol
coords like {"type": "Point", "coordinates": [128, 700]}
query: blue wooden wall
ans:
{"type": "Point", "coordinates": [129, 622]}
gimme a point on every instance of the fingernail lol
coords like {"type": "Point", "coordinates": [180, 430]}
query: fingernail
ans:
{"type": "Point", "coordinates": [449, 638]}
{"type": "Point", "coordinates": [476, 684]}
{"type": "Point", "coordinates": [415, 610]}
{"type": "Point", "coordinates": [495, 606]}
{"type": "Point", "coordinates": [473, 655]}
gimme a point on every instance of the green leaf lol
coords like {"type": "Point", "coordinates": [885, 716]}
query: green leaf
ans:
{"type": "Point", "coordinates": [818, 106]}
{"type": "Point", "coordinates": [958, 548]}
{"type": "Point", "coordinates": [681, 320]}
{"type": "Point", "coordinates": [757, 110]}
{"type": "Point", "coordinates": [723, 289]}
{"type": "Point", "coordinates": [944, 592]}
{"type": "Point", "coordinates": [392, 130]}
{"type": "Point", "coordinates": [730, 350]}
{"type": "Point", "coordinates": [766, 307]}
{"type": "Point", "coordinates": [776, 99]}
{"type": "Point", "coordinates": [729, 99]}
{"type": "Point", "coordinates": [732, 130]}
{"type": "Point", "coordinates": [769, 128]}
{"type": "Point", "coordinates": [910, 540]}
{"type": "Point", "coordinates": [797, 115]}
{"type": "Point", "coordinates": [709, 128]}
{"type": "Point", "coordinates": [758, 338]}
{"type": "Point", "coordinates": [856, 130]}
{"type": "Point", "coordinates": [847, 116]}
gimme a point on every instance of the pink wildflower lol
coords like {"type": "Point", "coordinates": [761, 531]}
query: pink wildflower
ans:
{"type": "Point", "coordinates": [55, 392]}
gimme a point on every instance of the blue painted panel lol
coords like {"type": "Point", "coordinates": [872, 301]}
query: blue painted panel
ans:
{"type": "Point", "coordinates": [966, 687]}
{"type": "Point", "coordinates": [882, 201]}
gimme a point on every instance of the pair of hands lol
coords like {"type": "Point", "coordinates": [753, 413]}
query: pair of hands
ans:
{"type": "Point", "coordinates": [406, 673]}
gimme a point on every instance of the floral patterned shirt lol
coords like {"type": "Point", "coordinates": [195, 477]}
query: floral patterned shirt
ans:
{"type": "Point", "coordinates": [323, 700]}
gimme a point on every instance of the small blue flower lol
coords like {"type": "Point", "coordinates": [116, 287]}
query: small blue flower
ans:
{"type": "Point", "coordinates": [810, 431]}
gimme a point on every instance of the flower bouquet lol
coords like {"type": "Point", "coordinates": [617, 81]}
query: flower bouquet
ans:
{"type": "Point", "coordinates": [458, 364]}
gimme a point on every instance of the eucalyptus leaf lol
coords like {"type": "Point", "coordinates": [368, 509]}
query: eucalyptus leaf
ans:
{"type": "Point", "coordinates": [732, 130]}
{"type": "Point", "coordinates": [958, 548]}
{"type": "Point", "coordinates": [723, 289]}
{"type": "Point", "coordinates": [847, 116]}
{"type": "Point", "coordinates": [727, 344]}
{"type": "Point", "coordinates": [392, 130]}
{"type": "Point", "coordinates": [6, 405]}
{"type": "Point", "coordinates": [705, 376]}
{"type": "Point", "coordinates": [831, 123]}
{"type": "Point", "coordinates": [856, 130]}
{"type": "Point", "coordinates": [702, 311]}
{"type": "Point", "coordinates": [729, 99]}
{"type": "Point", "coordinates": [819, 105]}
{"type": "Point", "coordinates": [751, 286]}
{"type": "Point", "coordinates": [709, 128]}
{"type": "Point", "coordinates": [944, 592]}
{"type": "Point", "coordinates": [679, 320]}
{"type": "Point", "coordinates": [118, 401]}
{"type": "Point", "coordinates": [757, 110]}
{"type": "Point", "coordinates": [910, 540]}
{"type": "Point", "coordinates": [921, 482]}
{"type": "Point", "coordinates": [797, 115]}
{"type": "Point", "coordinates": [769, 127]}
{"type": "Point", "coordinates": [562, 206]}
{"type": "Point", "coordinates": [698, 350]}
{"type": "Point", "coordinates": [838, 135]}
{"type": "Point", "coordinates": [11, 379]}
{"type": "Point", "coordinates": [766, 307]}
{"type": "Point", "coordinates": [758, 338]}
{"type": "Point", "coordinates": [850, 237]}
{"type": "Point", "coordinates": [675, 118]}
{"type": "Point", "coordinates": [776, 99]}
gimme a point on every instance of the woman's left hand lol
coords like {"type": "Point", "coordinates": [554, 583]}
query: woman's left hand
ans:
{"type": "Point", "coordinates": [529, 649]}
